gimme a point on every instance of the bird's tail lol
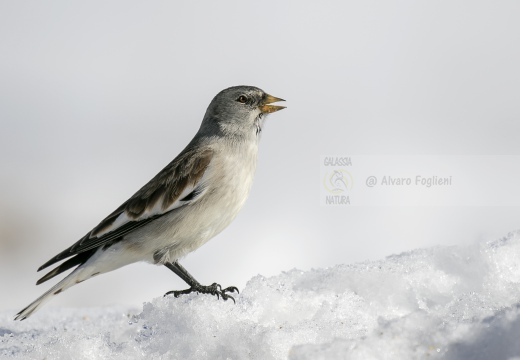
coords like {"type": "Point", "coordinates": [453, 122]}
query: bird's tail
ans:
{"type": "Point", "coordinates": [89, 265]}
{"type": "Point", "coordinates": [72, 279]}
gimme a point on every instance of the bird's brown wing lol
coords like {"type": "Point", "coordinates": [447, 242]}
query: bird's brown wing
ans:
{"type": "Point", "coordinates": [177, 185]}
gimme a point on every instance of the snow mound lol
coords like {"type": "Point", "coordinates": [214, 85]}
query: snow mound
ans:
{"type": "Point", "coordinates": [438, 303]}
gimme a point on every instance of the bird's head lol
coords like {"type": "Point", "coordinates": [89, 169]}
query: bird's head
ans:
{"type": "Point", "coordinates": [240, 110]}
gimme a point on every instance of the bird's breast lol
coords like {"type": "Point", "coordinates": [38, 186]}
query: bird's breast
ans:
{"type": "Point", "coordinates": [230, 179]}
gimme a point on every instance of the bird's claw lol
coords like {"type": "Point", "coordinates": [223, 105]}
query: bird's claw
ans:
{"type": "Point", "coordinates": [228, 289]}
{"type": "Point", "coordinates": [213, 289]}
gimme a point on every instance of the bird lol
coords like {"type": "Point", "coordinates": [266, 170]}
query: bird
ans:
{"type": "Point", "coordinates": [194, 198]}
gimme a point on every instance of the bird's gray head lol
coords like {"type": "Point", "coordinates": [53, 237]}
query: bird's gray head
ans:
{"type": "Point", "coordinates": [239, 111]}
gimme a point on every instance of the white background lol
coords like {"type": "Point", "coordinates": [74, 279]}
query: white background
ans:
{"type": "Point", "coordinates": [96, 97]}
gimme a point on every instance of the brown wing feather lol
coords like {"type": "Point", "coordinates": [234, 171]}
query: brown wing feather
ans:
{"type": "Point", "coordinates": [185, 170]}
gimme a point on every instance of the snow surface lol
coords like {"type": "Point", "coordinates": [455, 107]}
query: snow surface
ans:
{"type": "Point", "coordinates": [437, 303]}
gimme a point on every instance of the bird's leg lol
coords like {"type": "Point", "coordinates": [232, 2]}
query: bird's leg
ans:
{"type": "Point", "coordinates": [213, 289]}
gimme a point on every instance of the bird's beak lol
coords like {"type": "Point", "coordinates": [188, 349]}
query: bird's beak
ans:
{"type": "Point", "coordinates": [266, 108]}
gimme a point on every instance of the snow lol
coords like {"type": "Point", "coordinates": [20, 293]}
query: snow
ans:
{"type": "Point", "coordinates": [436, 303]}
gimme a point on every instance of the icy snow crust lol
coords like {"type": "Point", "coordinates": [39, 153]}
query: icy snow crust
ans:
{"type": "Point", "coordinates": [439, 303]}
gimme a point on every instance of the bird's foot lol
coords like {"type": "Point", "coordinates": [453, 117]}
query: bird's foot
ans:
{"type": "Point", "coordinates": [213, 289]}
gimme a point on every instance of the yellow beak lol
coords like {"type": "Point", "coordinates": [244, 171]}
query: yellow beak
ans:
{"type": "Point", "coordinates": [267, 109]}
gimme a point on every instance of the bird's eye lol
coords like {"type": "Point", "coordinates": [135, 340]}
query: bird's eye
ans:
{"type": "Point", "coordinates": [242, 99]}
